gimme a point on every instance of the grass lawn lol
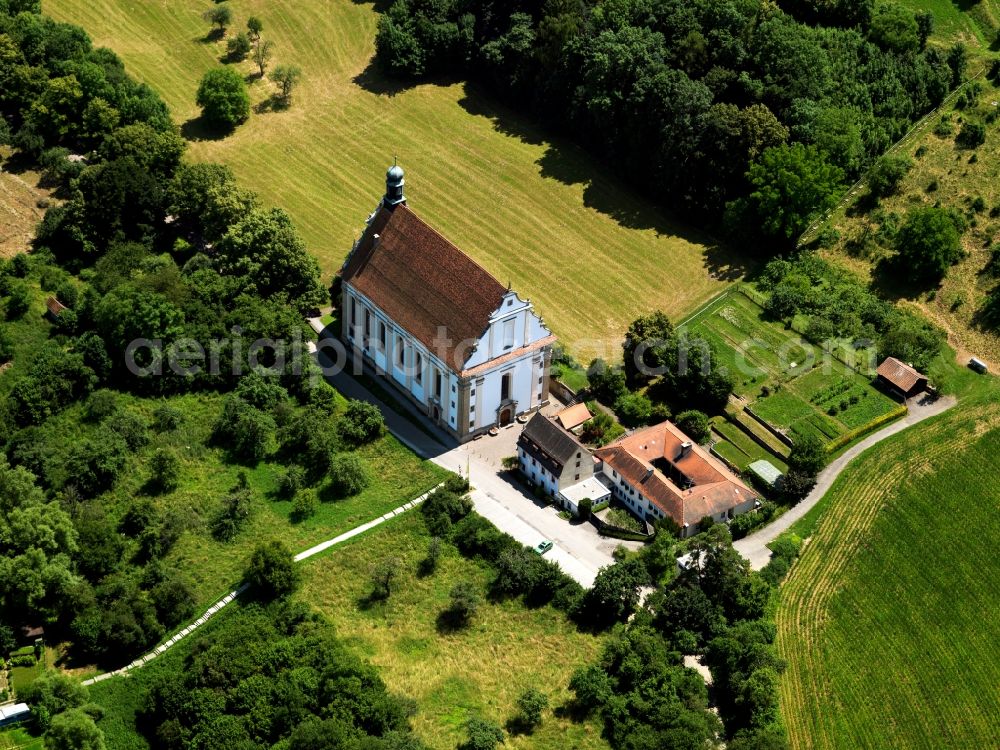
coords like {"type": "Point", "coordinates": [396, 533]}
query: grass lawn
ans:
{"type": "Point", "coordinates": [535, 212]}
{"type": "Point", "coordinates": [889, 620]}
{"type": "Point", "coordinates": [18, 738]}
{"type": "Point", "coordinates": [451, 676]}
{"type": "Point", "coordinates": [740, 448]}
{"type": "Point", "coordinates": [972, 22]}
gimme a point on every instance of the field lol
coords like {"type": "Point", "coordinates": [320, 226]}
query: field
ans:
{"type": "Point", "coordinates": [889, 620]}
{"type": "Point", "coordinates": [791, 384]}
{"type": "Point", "coordinates": [972, 22]}
{"type": "Point", "coordinates": [538, 213]}
{"type": "Point", "coordinates": [450, 675]}
{"type": "Point", "coordinates": [739, 448]}
{"type": "Point", "coordinates": [19, 211]}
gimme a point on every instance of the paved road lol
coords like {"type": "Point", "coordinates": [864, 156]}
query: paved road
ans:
{"type": "Point", "coordinates": [754, 547]}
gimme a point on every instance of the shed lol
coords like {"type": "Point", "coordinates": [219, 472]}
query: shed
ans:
{"type": "Point", "coordinates": [55, 307]}
{"type": "Point", "coordinates": [766, 472]}
{"type": "Point", "coordinates": [15, 712]}
{"type": "Point", "coordinates": [573, 416]}
{"type": "Point", "coordinates": [900, 377]}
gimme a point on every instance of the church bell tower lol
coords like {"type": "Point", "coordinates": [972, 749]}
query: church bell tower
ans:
{"type": "Point", "coordinates": [394, 186]}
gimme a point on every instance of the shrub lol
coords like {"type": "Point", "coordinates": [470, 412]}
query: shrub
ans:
{"type": "Point", "coordinates": [463, 603]}
{"type": "Point", "coordinates": [238, 47]}
{"type": "Point", "coordinates": [481, 734]}
{"type": "Point", "coordinates": [6, 345]}
{"type": "Point", "coordinates": [304, 505]}
{"type": "Point", "coordinates": [166, 418]}
{"type": "Point", "coordinates": [347, 475]}
{"type": "Point", "coordinates": [100, 405]}
{"type": "Point", "coordinates": [235, 510]}
{"type": "Point", "coordinates": [131, 427]}
{"type": "Point", "coordinates": [361, 423]}
{"type": "Point", "coordinates": [972, 135]}
{"type": "Point", "coordinates": [634, 409]}
{"type": "Point", "coordinates": [886, 174]}
{"type": "Point", "coordinates": [584, 508]}
{"type": "Point", "coordinates": [530, 705]}
{"type": "Point", "coordinates": [272, 572]}
{"type": "Point", "coordinates": [18, 300]}
{"type": "Point", "coordinates": [166, 469]}
{"type": "Point", "coordinates": [442, 508]}
{"type": "Point", "coordinates": [291, 482]}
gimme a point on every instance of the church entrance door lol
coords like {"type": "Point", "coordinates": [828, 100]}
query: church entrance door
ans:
{"type": "Point", "coordinates": [506, 415]}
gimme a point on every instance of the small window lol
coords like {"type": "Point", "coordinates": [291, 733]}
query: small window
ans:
{"type": "Point", "coordinates": [472, 423]}
{"type": "Point", "coordinates": [505, 384]}
{"type": "Point", "coordinates": [368, 322]}
{"type": "Point", "coordinates": [578, 464]}
{"type": "Point", "coordinates": [419, 366]}
{"type": "Point", "coordinates": [472, 392]}
{"type": "Point", "coordinates": [472, 409]}
{"type": "Point", "coordinates": [400, 352]}
{"type": "Point", "coordinates": [539, 380]}
{"type": "Point", "coordinates": [577, 476]}
{"type": "Point", "coordinates": [508, 334]}
{"type": "Point", "coordinates": [382, 334]}
{"type": "Point", "coordinates": [452, 404]}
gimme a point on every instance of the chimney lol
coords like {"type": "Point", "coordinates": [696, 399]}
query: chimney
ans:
{"type": "Point", "coordinates": [649, 472]}
{"type": "Point", "coordinates": [685, 448]}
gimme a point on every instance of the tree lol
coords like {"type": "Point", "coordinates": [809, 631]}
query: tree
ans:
{"type": "Point", "coordinates": [591, 687]}
{"type": "Point", "coordinates": [792, 184]}
{"type": "Point", "coordinates": [695, 425]}
{"type": "Point", "coordinates": [239, 47]}
{"type": "Point", "coordinates": [925, 26]}
{"type": "Point", "coordinates": [607, 382]}
{"type": "Point", "coordinates": [362, 422]}
{"type": "Point", "coordinates": [219, 15]}
{"type": "Point", "coordinates": [262, 54]}
{"type": "Point", "coordinates": [972, 135]}
{"type": "Point", "coordinates": [254, 27]}
{"type": "Point", "coordinates": [808, 454]}
{"type": "Point", "coordinates": [886, 174]}
{"type": "Point", "coordinates": [18, 300]}
{"type": "Point", "coordinates": [223, 98]}
{"type": "Point", "coordinates": [55, 692]}
{"type": "Point", "coordinates": [74, 730]}
{"type": "Point", "coordinates": [165, 468]}
{"type": "Point", "coordinates": [272, 572]}
{"type": "Point", "coordinates": [348, 475]}
{"type": "Point", "coordinates": [585, 508]}
{"type": "Point", "coordinates": [430, 562]}
{"type": "Point", "coordinates": [927, 244]}
{"type": "Point", "coordinates": [463, 602]}
{"type": "Point", "coordinates": [287, 77]}
{"type": "Point", "coordinates": [530, 705]}
{"type": "Point", "coordinates": [643, 338]}
{"type": "Point", "coordinates": [383, 574]}
{"type": "Point", "coordinates": [895, 28]}
{"type": "Point", "coordinates": [634, 409]}
{"type": "Point", "coordinates": [304, 505]}
{"type": "Point", "coordinates": [481, 734]}
{"type": "Point", "coordinates": [615, 594]}
{"type": "Point", "coordinates": [235, 510]}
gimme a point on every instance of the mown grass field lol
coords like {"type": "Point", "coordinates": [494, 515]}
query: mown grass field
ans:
{"type": "Point", "coordinates": [451, 675]}
{"type": "Point", "coordinates": [889, 620]}
{"type": "Point", "coordinates": [591, 254]}
{"type": "Point", "coordinates": [20, 194]}
{"type": "Point", "coordinates": [972, 22]}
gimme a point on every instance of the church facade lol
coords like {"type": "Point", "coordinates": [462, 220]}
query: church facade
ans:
{"type": "Point", "coordinates": [466, 350]}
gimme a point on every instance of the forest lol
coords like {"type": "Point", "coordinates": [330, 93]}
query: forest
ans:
{"type": "Point", "coordinates": [755, 112]}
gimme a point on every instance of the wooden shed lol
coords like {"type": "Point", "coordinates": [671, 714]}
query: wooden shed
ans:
{"type": "Point", "coordinates": [899, 377]}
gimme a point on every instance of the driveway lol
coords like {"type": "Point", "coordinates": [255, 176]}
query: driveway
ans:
{"type": "Point", "coordinates": [580, 551]}
{"type": "Point", "coordinates": [754, 547]}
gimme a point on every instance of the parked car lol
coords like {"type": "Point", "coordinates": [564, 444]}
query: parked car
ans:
{"type": "Point", "coordinates": [543, 546]}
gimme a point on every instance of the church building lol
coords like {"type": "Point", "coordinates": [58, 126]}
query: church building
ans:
{"type": "Point", "coordinates": [467, 350]}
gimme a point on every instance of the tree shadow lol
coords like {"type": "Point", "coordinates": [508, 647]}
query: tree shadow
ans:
{"type": "Point", "coordinates": [371, 600]}
{"type": "Point", "coordinates": [374, 81]}
{"type": "Point", "coordinates": [891, 280]}
{"type": "Point", "coordinates": [379, 6]}
{"type": "Point", "coordinates": [572, 710]}
{"type": "Point", "coordinates": [198, 129]}
{"type": "Point", "coordinates": [214, 35]}
{"type": "Point", "coordinates": [517, 725]}
{"type": "Point", "coordinates": [449, 622]}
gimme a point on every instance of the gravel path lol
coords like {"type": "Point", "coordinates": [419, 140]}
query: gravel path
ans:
{"type": "Point", "coordinates": [754, 547]}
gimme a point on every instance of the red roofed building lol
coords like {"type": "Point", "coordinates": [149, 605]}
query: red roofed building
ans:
{"type": "Point", "coordinates": [439, 327]}
{"type": "Point", "coordinates": [898, 376]}
{"type": "Point", "coordinates": [659, 472]}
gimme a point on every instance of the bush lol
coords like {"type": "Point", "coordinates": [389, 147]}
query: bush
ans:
{"type": "Point", "coordinates": [131, 427]}
{"type": "Point", "coordinates": [166, 469]}
{"type": "Point", "coordinates": [361, 423]}
{"type": "Point", "coordinates": [100, 405]}
{"type": "Point", "coordinates": [886, 174]}
{"type": "Point", "coordinates": [972, 135]}
{"type": "Point", "coordinates": [18, 300]}
{"type": "Point", "coordinates": [442, 508]}
{"type": "Point", "coordinates": [223, 98]}
{"type": "Point", "coordinates": [634, 409]}
{"type": "Point", "coordinates": [463, 603]}
{"type": "Point", "coordinates": [304, 505]}
{"type": "Point", "coordinates": [530, 705]}
{"type": "Point", "coordinates": [481, 734]}
{"type": "Point", "coordinates": [272, 572]}
{"type": "Point", "coordinates": [167, 418]}
{"type": "Point", "coordinates": [238, 47]}
{"type": "Point", "coordinates": [584, 508]}
{"type": "Point", "coordinates": [348, 475]}
{"type": "Point", "coordinates": [235, 510]}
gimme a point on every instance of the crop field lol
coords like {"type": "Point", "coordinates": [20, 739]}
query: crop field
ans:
{"type": "Point", "coordinates": [789, 383]}
{"type": "Point", "coordinates": [451, 675]}
{"type": "Point", "coordinates": [538, 213]}
{"type": "Point", "coordinates": [740, 449]}
{"type": "Point", "coordinates": [889, 621]}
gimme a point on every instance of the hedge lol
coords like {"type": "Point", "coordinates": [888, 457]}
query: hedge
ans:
{"type": "Point", "coordinates": [848, 437]}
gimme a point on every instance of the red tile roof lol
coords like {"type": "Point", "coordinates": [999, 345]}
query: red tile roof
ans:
{"type": "Point", "coordinates": [640, 458]}
{"type": "Point", "coordinates": [55, 307]}
{"type": "Point", "coordinates": [900, 374]}
{"type": "Point", "coordinates": [423, 282]}
{"type": "Point", "coordinates": [573, 416]}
